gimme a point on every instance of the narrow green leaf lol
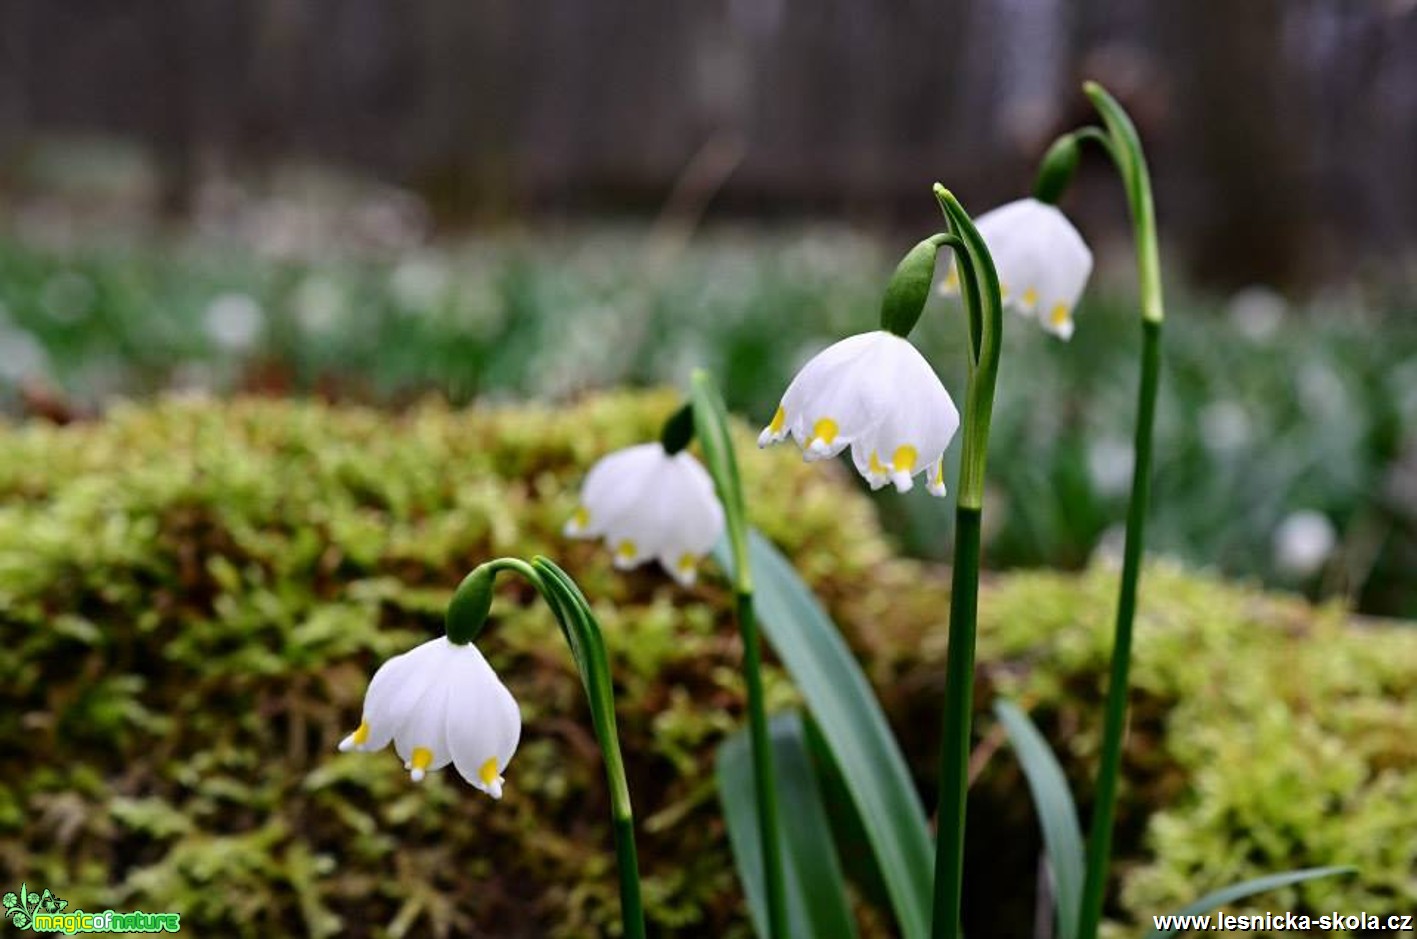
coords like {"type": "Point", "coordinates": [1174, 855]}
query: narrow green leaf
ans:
{"type": "Point", "coordinates": [711, 427]}
{"type": "Point", "coordinates": [1214, 901]}
{"type": "Point", "coordinates": [817, 904]}
{"type": "Point", "coordinates": [1057, 815]}
{"type": "Point", "coordinates": [845, 709]}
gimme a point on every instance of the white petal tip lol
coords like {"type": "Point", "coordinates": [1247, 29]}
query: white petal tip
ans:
{"type": "Point", "coordinates": [571, 529]}
{"type": "Point", "coordinates": [937, 490]}
{"type": "Point", "coordinates": [417, 775]}
{"type": "Point", "coordinates": [903, 482]}
{"type": "Point", "coordinates": [767, 437]}
{"type": "Point", "coordinates": [347, 744]}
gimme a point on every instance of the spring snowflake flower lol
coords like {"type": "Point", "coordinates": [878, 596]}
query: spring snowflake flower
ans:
{"type": "Point", "coordinates": [650, 504]}
{"type": "Point", "coordinates": [441, 703]}
{"type": "Point", "coordinates": [875, 393]}
{"type": "Point", "coordinates": [1042, 261]}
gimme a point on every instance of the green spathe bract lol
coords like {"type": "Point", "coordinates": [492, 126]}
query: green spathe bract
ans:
{"type": "Point", "coordinates": [467, 614]}
{"type": "Point", "coordinates": [984, 305]}
{"type": "Point", "coordinates": [710, 422]}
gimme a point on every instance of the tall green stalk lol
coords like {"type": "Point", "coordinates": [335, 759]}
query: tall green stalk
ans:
{"type": "Point", "coordinates": [979, 284]}
{"type": "Point", "coordinates": [1122, 144]}
{"type": "Point", "coordinates": [467, 613]}
{"type": "Point", "coordinates": [710, 423]}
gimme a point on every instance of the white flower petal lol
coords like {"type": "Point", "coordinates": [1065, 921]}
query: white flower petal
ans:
{"type": "Point", "coordinates": [611, 488]}
{"type": "Point", "coordinates": [663, 506]}
{"type": "Point", "coordinates": [484, 726]}
{"type": "Point", "coordinates": [882, 399]}
{"type": "Point", "coordinates": [393, 692]}
{"type": "Point", "coordinates": [445, 704]}
{"type": "Point", "coordinates": [1042, 261]}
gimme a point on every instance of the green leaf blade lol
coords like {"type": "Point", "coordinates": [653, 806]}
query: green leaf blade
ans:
{"type": "Point", "coordinates": [817, 903]}
{"type": "Point", "coordinates": [853, 725]}
{"type": "Point", "coordinates": [1057, 815]}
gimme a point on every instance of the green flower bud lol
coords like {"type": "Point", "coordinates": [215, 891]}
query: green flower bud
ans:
{"type": "Point", "coordinates": [909, 288]}
{"type": "Point", "coordinates": [1056, 170]}
{"type": "Point", "coordinates": [472, 601]}
{"type": "Point", "coordinates": [678, 431]}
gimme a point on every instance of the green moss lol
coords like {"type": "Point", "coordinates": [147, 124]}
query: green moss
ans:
{"type": "Point", "coordinates": [194, 595]}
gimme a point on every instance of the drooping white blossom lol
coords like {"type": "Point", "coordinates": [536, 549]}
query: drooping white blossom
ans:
{"type": "Point", "coordinates": [1042, 261]}
{"type": "Point", "coordinates": [649, 504]}
{"type": "Point", "coordinates": [875, 393]}
{"type": "Point", "coordinates": [441, 703]}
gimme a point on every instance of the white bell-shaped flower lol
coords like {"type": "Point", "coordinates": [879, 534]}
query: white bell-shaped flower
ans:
{"type": "Point", "coordinates": [1042, 261]}
{"type": "Point", "coordinates": [650, 504]}
{"type": "Point", "coordinates": [876, 394]}
{"type": "Point", "coordinates": [441, 703]}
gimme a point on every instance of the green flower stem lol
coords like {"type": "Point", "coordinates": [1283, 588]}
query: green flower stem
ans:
{"type": "Point", "coordinates": [711, 427]}
{"type": "Point", "coordinates": [1122, 144]}
{"type": "Point", "coordinates": [467, 614]}
{"type": "Point", "coordinates": [979, 285]}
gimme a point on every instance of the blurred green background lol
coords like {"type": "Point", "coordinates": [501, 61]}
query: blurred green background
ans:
{"type": "Point", "coordinates": [373, 202]}
{"type": "Point", "coordinates": [1285, 443]}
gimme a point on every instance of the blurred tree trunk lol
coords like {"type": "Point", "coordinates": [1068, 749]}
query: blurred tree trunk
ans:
{"type": "Point", "coordinates": [1241, 134]}
{"type": "Point", "coordinates": [174, 109]}
{"type": "Point", "coordinates": [14, 82]}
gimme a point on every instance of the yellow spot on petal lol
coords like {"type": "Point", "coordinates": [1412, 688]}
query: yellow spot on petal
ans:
{"type": "Point", "coordinates": [627, 550]}
{"type": "Point", "coordinates": [687, 562]}
{"type": "Point", "coordinates": [422, 759]}
{"type": "Point", "coordinates": [361, 734]}
{"type": "Point", "coordinates": [952, 279]}
{"type": "Point", "coordinates": [488, 772]}
{"type": "Point", "coordinates": [825, 430]}
{"type": "Point", "coordinates": [904, 459]}
{"type": "Point", "coordinates": [778, 420]}
{"type": "Point", "coordinates": [1030, 297]}
{"type": "Point", "coordinates": [1059, 316]}
{"type": "Point", "coordinates": [877, 468]}
{"type": "Point", "coordinates": [580, 517]}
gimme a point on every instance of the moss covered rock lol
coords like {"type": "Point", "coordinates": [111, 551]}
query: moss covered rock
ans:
{"type": "Point", "coordinates": [194, 595]}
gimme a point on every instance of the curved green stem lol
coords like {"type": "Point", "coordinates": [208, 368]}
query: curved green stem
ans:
{"type": "Point", "coordinates": [582, 634]}
{"type": "Point", "coordinates": [979, 285]}
{"type": "Point", "coordinates": [711, 427]}
{"type": "Point", "coordinates": [1122, 144]}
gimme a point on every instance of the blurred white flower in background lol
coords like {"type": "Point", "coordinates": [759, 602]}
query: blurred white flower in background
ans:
{"type": "Point", "coordinates": [441, 703]}
{"type": "Point", "coordinates": [1109, 465]}
{"type": "Point", "coordinates": [1110, 548]}
{"type": "Point", "coordinates": [234, 321]}
{"type": "Point", "coordinates": [1303, 543]}
{"type": "Point", "coordinates": [1322, 391]}
{"type": "Point", "coordinates": [1257, 311]}
{"type": "Point", "coordinates": [1225, 426]}
{"type": "Point", "coordinates": [649, 504]}
{"type": "Point", "coordinates": [418, 284]}
{"type": "Point", "coordinates": [1042, 262]}
{"type": "Point", "coordinates": [67, 297]}
{"type": "Point", "coordinates": [21, 355]}
{"type": "Point", "coordinates": [875, 393]}
{"type": "Point", "coordinates": [319, 305]}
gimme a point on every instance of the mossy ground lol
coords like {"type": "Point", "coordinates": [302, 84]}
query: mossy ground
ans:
{"type": "Point", "coordinates": [193, 596]}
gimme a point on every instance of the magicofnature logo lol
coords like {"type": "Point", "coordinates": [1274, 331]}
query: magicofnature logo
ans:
{"type": "Point", "coordinates": [45, 912]}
